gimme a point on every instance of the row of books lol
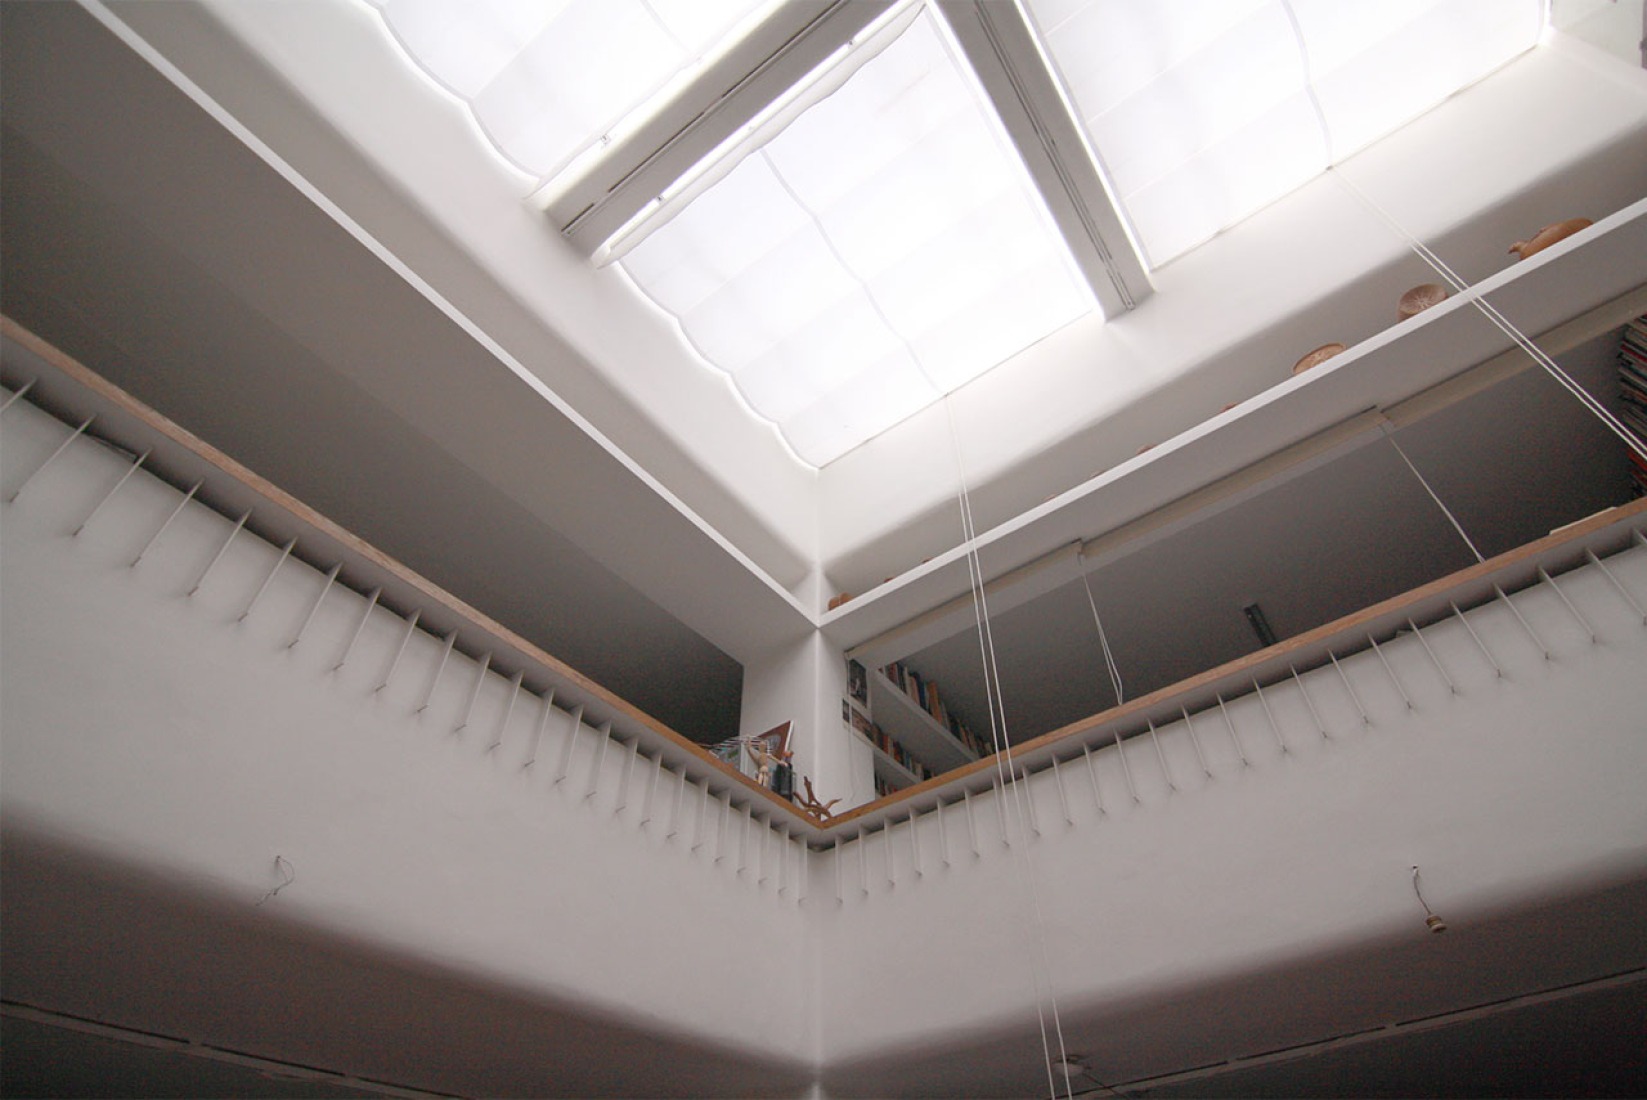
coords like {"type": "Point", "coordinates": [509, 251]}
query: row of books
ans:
{"type": "Point", "coordinates": [924, 692]}
{"type": "Point", "coordinates": [892, 748]}
{"type": "Point", "coordinates": [1632, 378]}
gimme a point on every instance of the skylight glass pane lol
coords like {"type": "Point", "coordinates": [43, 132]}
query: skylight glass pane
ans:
{"type": "Point", "coordinates": [547, 79]}
{"type": "Point", "coordinates": [883, 250]}
{"type": "Point", "coordinates": [1203, 111]}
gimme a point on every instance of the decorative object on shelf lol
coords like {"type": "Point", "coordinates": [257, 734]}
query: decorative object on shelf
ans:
{"type": "Point", "coordinates": [857, 682]}
{"type": "Point", "coordinates": [809, 802]}
{"type": "Point", "coordinates": [838, 599]}
{"type": "Point", "coordinates": [1317, 357]}
{"type": "Point", "coordinates": [1549, 235]}
{"type": "Point", "coordinates": [772, 756]}
{"type": "Point", "coordinates": [1420, 298]}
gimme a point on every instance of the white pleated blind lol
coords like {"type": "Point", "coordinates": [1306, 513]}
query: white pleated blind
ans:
{"type": "Point", "coordinates": [883, 250]}
{"type": "Point", "coordinates": [1201, 110]}
{"type": "Point", "coordinates": [547, 79]}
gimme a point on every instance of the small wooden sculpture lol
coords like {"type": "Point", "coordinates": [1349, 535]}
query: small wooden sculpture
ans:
{"type": "Point", "coordinates": [1549, 235]}
{"type": "Point", "coordinates": [810, 803]}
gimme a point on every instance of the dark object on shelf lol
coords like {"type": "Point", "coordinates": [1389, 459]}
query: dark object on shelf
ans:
{"type": "Point", "coordinates": [1420, 298]}
{"type": "Point", "coordinates": [1317, 357]}
{"type": "Point", "coordinates": [1549, 235]}
{"type": "Point", "coordinates": [1260, 625]}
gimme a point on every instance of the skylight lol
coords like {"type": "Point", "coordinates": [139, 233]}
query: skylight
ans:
{"type": "Point", "coordinates": [548, 80]}
{"type": "Point", "coordinates": [883, 250]}
{"type": "Point", "coordinates": [1203, 111]}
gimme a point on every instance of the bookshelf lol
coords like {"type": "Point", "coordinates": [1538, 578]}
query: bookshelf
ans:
{"type": "Point", "coordinates": [912, 726]}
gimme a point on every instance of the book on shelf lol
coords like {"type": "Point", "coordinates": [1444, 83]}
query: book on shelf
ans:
{"type": "Point", "coordinates": [1632, 381]}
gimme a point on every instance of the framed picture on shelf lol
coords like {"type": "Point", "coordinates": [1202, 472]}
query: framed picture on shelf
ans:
{"type": "Point", "coordinates": [857, 683]}
{"type": "Point", "coordinates": [775, 741]}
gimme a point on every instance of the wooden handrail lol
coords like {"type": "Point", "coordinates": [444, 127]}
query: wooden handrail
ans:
{"type": "Point", "coordinates": [1239, 668]}
{"type": "Point", "coordinates": [1396, 606]}
{"type": "Point", "coordinates": [94, 383]}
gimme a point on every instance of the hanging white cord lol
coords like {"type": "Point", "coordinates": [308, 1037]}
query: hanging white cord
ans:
{"type": "Point", "coordinates": [1487, 309]}
{"type": "Point", "coordinates": [1459, 527]}
{"type": "Point", "coordinates": [1502, 323]}
{"type": "Point", "coordinates": [1103, 640]}
{"type": "Point", "coordinates": [1005, 770]}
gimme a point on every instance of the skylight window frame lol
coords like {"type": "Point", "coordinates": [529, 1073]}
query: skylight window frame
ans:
{"type": "Point", "coordinates": [639, 171]}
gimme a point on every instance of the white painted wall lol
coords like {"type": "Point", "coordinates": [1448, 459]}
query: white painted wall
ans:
{"type": "Point", "coordinates": [155, 728]}
{"type": "Point", "coordinates": [1513, 791]}
{"type": "Point", "coordinates": [804, 682]}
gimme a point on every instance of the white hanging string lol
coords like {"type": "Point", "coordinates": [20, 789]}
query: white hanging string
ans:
{"type": "Point", "coordinates": [1457, 526]}
{"type": "Point", "coordinates": [1103, 639]}
{"type": "Point", "coordinates": [1005, 772]}
{"type": "Point", "coordinates": [1499, 321]}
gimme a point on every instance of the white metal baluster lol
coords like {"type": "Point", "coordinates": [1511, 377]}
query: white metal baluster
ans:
{"type": "Point", "coordinates": [1000, 808]}
{"type": "Point", "coordinates": [1229, 724]}
{"type": "Point", "coordinates": [440, 667]}
{"type": "Point", "coordinates": [1160, 756]}
{"type": "Point", "coordinates": [1092, 775]}
{"type": "Point", "coordinates": [604, 731]}
{"type": "Point", "coordinates": [221, 550]}
{"type": "Point", "coordinates": [886, 849]}
{"type": "Point", "coordinates": [675, 810]}
{"type": "Point", "coordinates": [508, 710]}
{"type": "Point", "coordinates": [154, 538]}
{"type": "Point", "coordinates": [574, 727]}
{"type": "Point", "coordinates": [1270, 714]}
{"type": "Point", "coordinates": [1516, 611]}
{"type": "Point", "coordinates": [840, 855]}
{"type": "Point", "coordinates": [764, 843]}
{"type": "Point", "coordinates": [331, 579]}
{"type": "Point", "coordinates": [622, 802]}
{"type": "Point", "coordinates": [914, 845]}
{"type": "Point", "coordinates": [651, 791]}
{"type": "Point", "coordinates": [943, 835]}
{"type": "Point", "coordinates": [1063, 795]}
{"type": "Point", "coordinates": [971, 824]}
{"type": "Point", "coordinates": [474, 693]}
{"type": "Point", "coordinates": [1622, 591]}
{"type": "Point", "coordinates": [17, 393]}
{"type": "Point", "coordinates": [1349, 688]}
{"type": "Point", "coordinates": [1425, 642]}
{"type": "Point", "coordinates": [863, 863]}
{"type": "Point", "coordinates": [285, 552]}
{"type": "Point", "coordinates": [743, 839]}
{"type": "Point", "coordinates": [365, 617]}
{"type": "Point", "coordinates": [1027, 799]}
{"type": "Point", "coordinates": [1195, 739]}
{"type": "Point", "coordinates": [537, 733]}
{"type": "Point", "coordinates": [1127, 768]}
{"type": "Point", "coordinates": [394, 662]}
{"type": "Point", "coordinates": [1582, 621]}
{"type": "Point", "coordinates": [1308, 702]}
{"type": "Point", "coordinates": [1390, 672]}
{"type": "Point", "coordinates": [703, 810]}
{"type": "Point", "coordinates": [1479, 644]}
{"type": "Point", "coordinates": [125, 477]}
{"type": "Point", "coordinates": [76, 434]}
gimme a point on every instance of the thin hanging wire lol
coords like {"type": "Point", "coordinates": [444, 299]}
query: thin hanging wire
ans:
{"type": "Point", "coordinates": [1502, 323]}
{"type": "Point", "coordinates": [1422, 480]}
{"type": "Point", "coordinates": [1423, 251]}
{"type": "Point", "coordinates": [1103, 641]}
{"type": "Point", "coordinates": [1005, 770]}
